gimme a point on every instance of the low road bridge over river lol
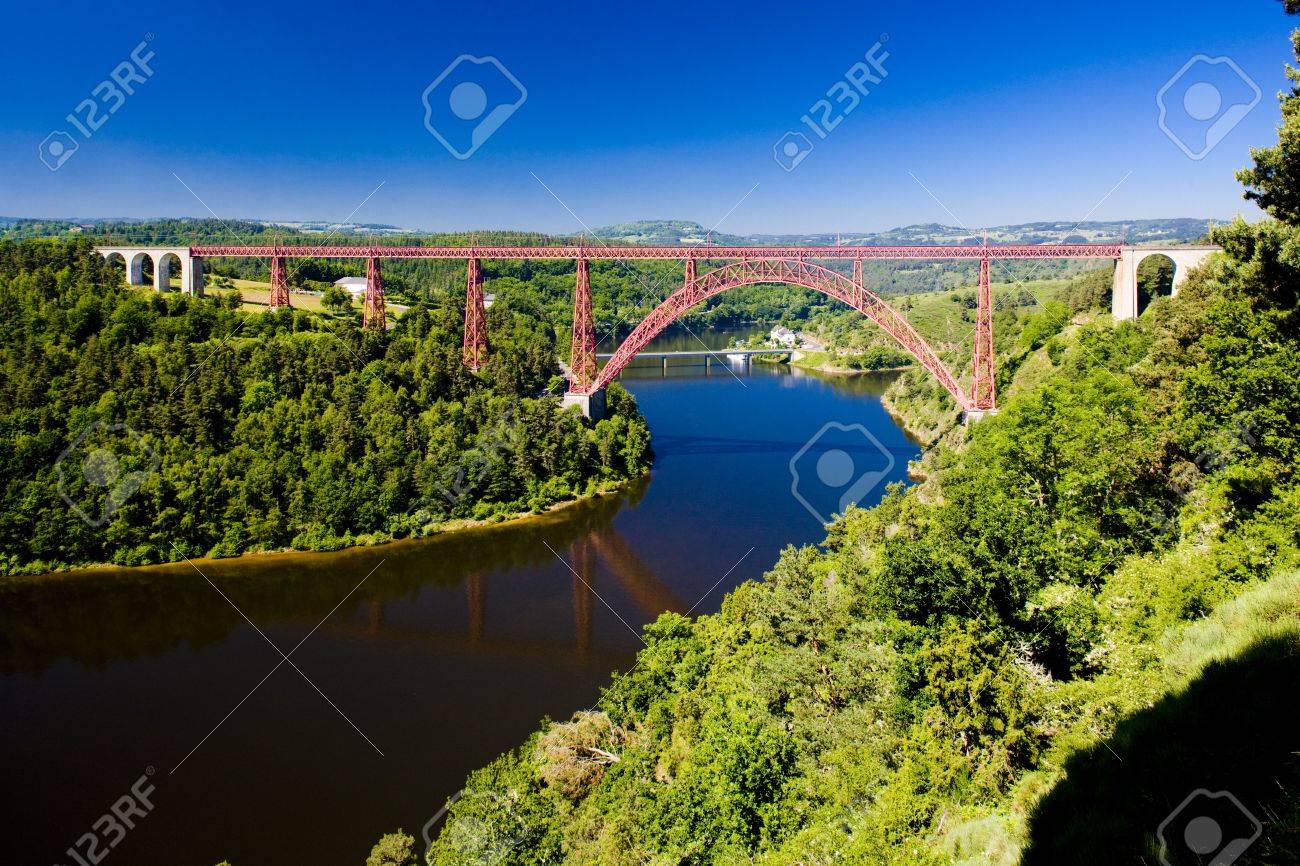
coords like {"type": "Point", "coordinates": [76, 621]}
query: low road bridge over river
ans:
{"type": "Point", "coordinates": [730, 267]}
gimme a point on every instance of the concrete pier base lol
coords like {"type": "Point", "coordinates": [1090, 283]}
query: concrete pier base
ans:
{"type": "Point", "coordinates": [970, 416]}
{"type": "Point", "coordinates": [592, 405]}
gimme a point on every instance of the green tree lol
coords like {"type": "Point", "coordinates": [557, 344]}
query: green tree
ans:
{"type": "Point", "coordinates": [394, 849]}
{"type": "Point", "coordinates": [336, 299]}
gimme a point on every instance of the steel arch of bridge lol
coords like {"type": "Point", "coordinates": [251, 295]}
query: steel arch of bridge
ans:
{"type": "Point", "coordinates": [792, 271]}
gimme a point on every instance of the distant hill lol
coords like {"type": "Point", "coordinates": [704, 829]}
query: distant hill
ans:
{"type": "Point", "coordinates": [645, 232]}
{"type": "Point", "coordinates": [669, 232]}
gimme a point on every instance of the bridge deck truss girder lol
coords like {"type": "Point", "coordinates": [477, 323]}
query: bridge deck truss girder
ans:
{"type": "Point", "coordinates": [1020, 251]}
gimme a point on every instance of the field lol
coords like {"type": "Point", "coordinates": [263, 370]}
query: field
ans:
{"type": "Point", "coordinates": [257, 296]}
{"type": "Point", "coordinates": [939, 318]}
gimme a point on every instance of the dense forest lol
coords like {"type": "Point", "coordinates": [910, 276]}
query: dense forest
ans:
{"type": "Point", "coordinates": [138, 427]}
{"type": "Point", "coordinates": [1088, 611]}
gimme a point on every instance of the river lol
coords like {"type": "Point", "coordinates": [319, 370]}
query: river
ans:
{"type": "Point", "coordinates": [409, 664]}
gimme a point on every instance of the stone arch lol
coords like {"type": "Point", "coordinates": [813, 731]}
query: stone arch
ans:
{"type": "Point", "coordinates": [1124, 296]}
{"type": "Point", "coordinates": [139, 266]}
{"type": "Point", "coordinates": [165, 264]}
{"type": "Point", "coordinates": [1156, 273]}
{"type": "Point", "coordinates": [117, 261]}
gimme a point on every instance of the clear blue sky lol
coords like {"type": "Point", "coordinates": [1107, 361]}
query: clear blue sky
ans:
{"type": "Point", "coordinates": [1006, 111]}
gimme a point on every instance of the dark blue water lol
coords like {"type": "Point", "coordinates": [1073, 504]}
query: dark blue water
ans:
{"type": "Point", "coordinates": [440, 653]}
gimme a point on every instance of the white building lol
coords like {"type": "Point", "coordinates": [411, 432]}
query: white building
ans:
{"type": "Point", "coordinates": [354, 286]}
{"type": "Point", "coordinates": [784, 336]}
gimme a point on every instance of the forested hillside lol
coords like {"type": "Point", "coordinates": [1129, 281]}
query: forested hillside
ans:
{"type": "Point", "coordinates": [246, 432]}
{"type": "Point", "coordinates": [1088, 611]}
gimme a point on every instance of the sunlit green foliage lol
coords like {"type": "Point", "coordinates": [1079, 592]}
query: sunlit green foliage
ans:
{"type": "Point", "coordinates": [269, 430]}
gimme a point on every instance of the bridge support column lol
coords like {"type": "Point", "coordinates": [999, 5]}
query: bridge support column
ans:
{"type": "Point", "coordinates": [279, 284]}
{"type": "Point", "coordinates": [474, 346]}
{"type": "Point", "coordinates": [373, 316]}
{"type": "Point", "coordinates": [162, 273]}
{"type": "Point", "coordinates": [592, 405]}
{"type": "Point", "coordinates": [982, 396]}
{"type": "Point", "coordinates": [192, 277]}
{"type": "Point", "coordinates": [582, 348]}
{"type": "Point", "coordinates": [1124, 292]}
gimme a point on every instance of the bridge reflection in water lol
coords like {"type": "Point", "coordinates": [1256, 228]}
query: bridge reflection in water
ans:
{"type": "Point", "coordinates": [605, 543]}
{"type": "Point", "coordinates": [405, 602]}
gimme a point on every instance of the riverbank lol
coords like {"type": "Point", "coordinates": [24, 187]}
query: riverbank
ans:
{"type": "Point", "coordinates": [358, 542]}
{"type": "Point", "coordinates": [824, 362]}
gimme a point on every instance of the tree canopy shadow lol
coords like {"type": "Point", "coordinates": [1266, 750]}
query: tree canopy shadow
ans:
{"type": "Point", "coordinates": [1236, 728]}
